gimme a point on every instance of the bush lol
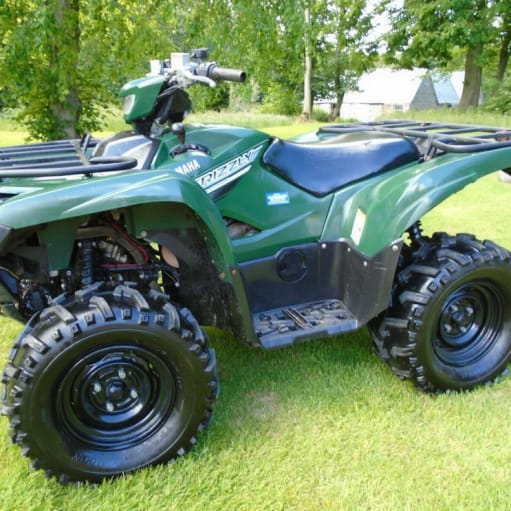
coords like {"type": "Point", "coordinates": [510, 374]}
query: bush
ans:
{"type": "Point", "coordinates": [498, 96]}
{"type": "Point", "coordinates": [280, 100]}
{"type": "Point", "coordinates": [320, 115]}
{"type": "Point", "coordinates": [204, 99]}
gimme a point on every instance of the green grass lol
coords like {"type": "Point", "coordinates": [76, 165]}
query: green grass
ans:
{"type": "Point", "coordinates": [454, 115]}
{"type": "Point", "coordinates": [278, 124]}
{"type": "Point", "coordinates": [319, 426]}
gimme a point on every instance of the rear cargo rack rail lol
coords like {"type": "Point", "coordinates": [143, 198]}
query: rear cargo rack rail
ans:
{"type": "Point", "coordinates": [434, 138]}
{"type": "Point", "coordinates": [58, 158]}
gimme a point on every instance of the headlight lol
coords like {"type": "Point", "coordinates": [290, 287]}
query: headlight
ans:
{"type": "Point", "coordinates": [129, 101]}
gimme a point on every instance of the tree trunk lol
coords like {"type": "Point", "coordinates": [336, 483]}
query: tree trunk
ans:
{"type": "Point", "coordinates": [339, 92]}
{"type": "Point", "coordinates": [473, 78]}
{"type": "Point", "coordinates": [505, 48]}
{"type": "Point", "coordinates": [307, 88]}
{"type": "Point", "coordinates": [67, 49]}
{"type": "Point", "coordinates": [307, 79]}
{"type": "Point", "coordinates": [336, 111]}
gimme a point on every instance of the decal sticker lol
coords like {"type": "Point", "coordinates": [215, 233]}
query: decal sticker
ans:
{"type": "Point", "coordinates": [230, 171]}
{"type": "Point", "coordinates": [188, 167]}
{"type": "Point", "coordinates": [358, 226]}
{"type": "Point", "coordinates": [277, 198]}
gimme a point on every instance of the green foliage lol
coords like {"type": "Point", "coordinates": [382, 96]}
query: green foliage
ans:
{"type": "Point", "coordinates": [38, 54]}
{"type": "Point", "coordinates": [63, 59]}
{"type": "Point", "coordinates": [320, 115]}
{"type": "Point", "coordinates": [436, 34]}
{"type": "Point", "coordinates": [211, 99]}
{"type": "Point", "coordinates": [497, 95]}
{"type": "Point", "coordinates": [281, 100]}
{"type": "Point", "coordinates": [73, 71]}
{"type": "Point", "coordinates": [343, 50]}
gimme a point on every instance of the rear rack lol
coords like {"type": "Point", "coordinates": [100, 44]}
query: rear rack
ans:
{"type": "Point", "coordinates": [434, 138]}
{"type": "Point", "coordinates": [58, 158]}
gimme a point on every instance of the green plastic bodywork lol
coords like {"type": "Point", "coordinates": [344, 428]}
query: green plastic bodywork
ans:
{"type": "Point", "coordinates": [145, 91]}
{"type": "Point", "coordinates": [386, 204]}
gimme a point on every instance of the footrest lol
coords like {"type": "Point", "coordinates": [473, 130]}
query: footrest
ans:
{"type": "Point", "coordinates": [295, 323]}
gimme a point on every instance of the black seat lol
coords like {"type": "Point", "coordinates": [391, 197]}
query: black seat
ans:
{"type": "Point", "coordinates": [323, 168]}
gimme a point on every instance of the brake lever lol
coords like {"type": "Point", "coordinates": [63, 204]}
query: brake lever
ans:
{"type": "Point", "coordinates": [200, 79]}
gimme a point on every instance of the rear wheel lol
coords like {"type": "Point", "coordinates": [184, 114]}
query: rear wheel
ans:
{"type": "Point", "coordinates": [449, 324]}
{"type": "Point", "coordinates": [108, 384]}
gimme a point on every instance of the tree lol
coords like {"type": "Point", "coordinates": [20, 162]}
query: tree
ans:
{"type": "Point", "coordinates": [503, 26]}
{"type": "Point", "coordinates": [63, 59]}
{"type": "Point", "coordinates": [427, 33]}
{"type": "Point", "coordinates": [347, 51]}
{"type": "Point", "coordinates": [307, 75]}
{"type": "Point", "coordinates": [265, 38]}
{"type": "Point", "coordinates": [41, 62]}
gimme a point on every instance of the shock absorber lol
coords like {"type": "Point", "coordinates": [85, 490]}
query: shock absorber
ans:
{"type": "Point", "coordinates": [87, 274]}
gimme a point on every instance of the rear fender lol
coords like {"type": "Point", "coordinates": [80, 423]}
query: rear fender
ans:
{"type": "Point", "coordinates": [376, 212]}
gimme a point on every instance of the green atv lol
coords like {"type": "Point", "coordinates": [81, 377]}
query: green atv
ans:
{"type": "Point", "coordinates": [113, 252]}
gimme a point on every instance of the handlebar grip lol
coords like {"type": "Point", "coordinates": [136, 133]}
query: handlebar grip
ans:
{"type": "Point", "coordinates": [216, 73]}
{"type": "Point", "coordinates": [225, 73]}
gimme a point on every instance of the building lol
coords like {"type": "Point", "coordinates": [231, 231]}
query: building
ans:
{"type": "Point", "coordinates": [385, 91]}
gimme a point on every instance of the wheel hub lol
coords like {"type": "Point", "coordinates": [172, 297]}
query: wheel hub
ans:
{"type": "Point", "coordinates": [113, 388]}
{"type": "Point", "coordinates": [458, 319]}
{"type": "Point", "coordinates": [115, 391]}
{"type": "Point", "coordinates": [469, 323]}
{"type": "Point", "coordinates": [118, 391]}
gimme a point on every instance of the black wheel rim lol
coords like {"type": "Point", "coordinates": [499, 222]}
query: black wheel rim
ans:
{"type": "Point", "coordinates": [470, 323]}
{"type": "Point", "coordinates": [116, 397]}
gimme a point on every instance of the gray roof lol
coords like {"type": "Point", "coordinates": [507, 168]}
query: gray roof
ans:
{"type": "Point", "coordinates": [445, 91]}
{"type": "Point", "coordinates": [394, 87]}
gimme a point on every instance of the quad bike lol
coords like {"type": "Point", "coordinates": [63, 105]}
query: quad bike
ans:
{"type": "Point", "coordinates": [113, 252]}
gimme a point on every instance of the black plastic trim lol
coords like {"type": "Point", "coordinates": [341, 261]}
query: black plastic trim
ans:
{"type": "Point", "coordinates": [334, 270]}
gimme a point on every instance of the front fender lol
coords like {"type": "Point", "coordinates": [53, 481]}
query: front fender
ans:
{"type": "Point", "coordinates": [152, 202]}
{"type": "Point", "coordinates": [58, 201]}
{"type": "Point", "coordinates": [376, 212]}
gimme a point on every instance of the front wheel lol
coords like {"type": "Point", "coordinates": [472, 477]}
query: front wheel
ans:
{"type": "Point", "coordinates": [108, 384]}
{"type": "Point", "coordinates": [449, 325]}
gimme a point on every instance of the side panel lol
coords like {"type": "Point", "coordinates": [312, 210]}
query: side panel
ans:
{"type": "Point", "coordinates": [284, 214]}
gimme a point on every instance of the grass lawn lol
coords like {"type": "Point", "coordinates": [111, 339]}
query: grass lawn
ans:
{"type": "Point", "coordinates": [319, 426]}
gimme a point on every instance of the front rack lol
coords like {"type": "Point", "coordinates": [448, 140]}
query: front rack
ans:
{"type": "Point", "coordinates": [434, 138]}
{"type": "Point", "coordinates": [57, 158]}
